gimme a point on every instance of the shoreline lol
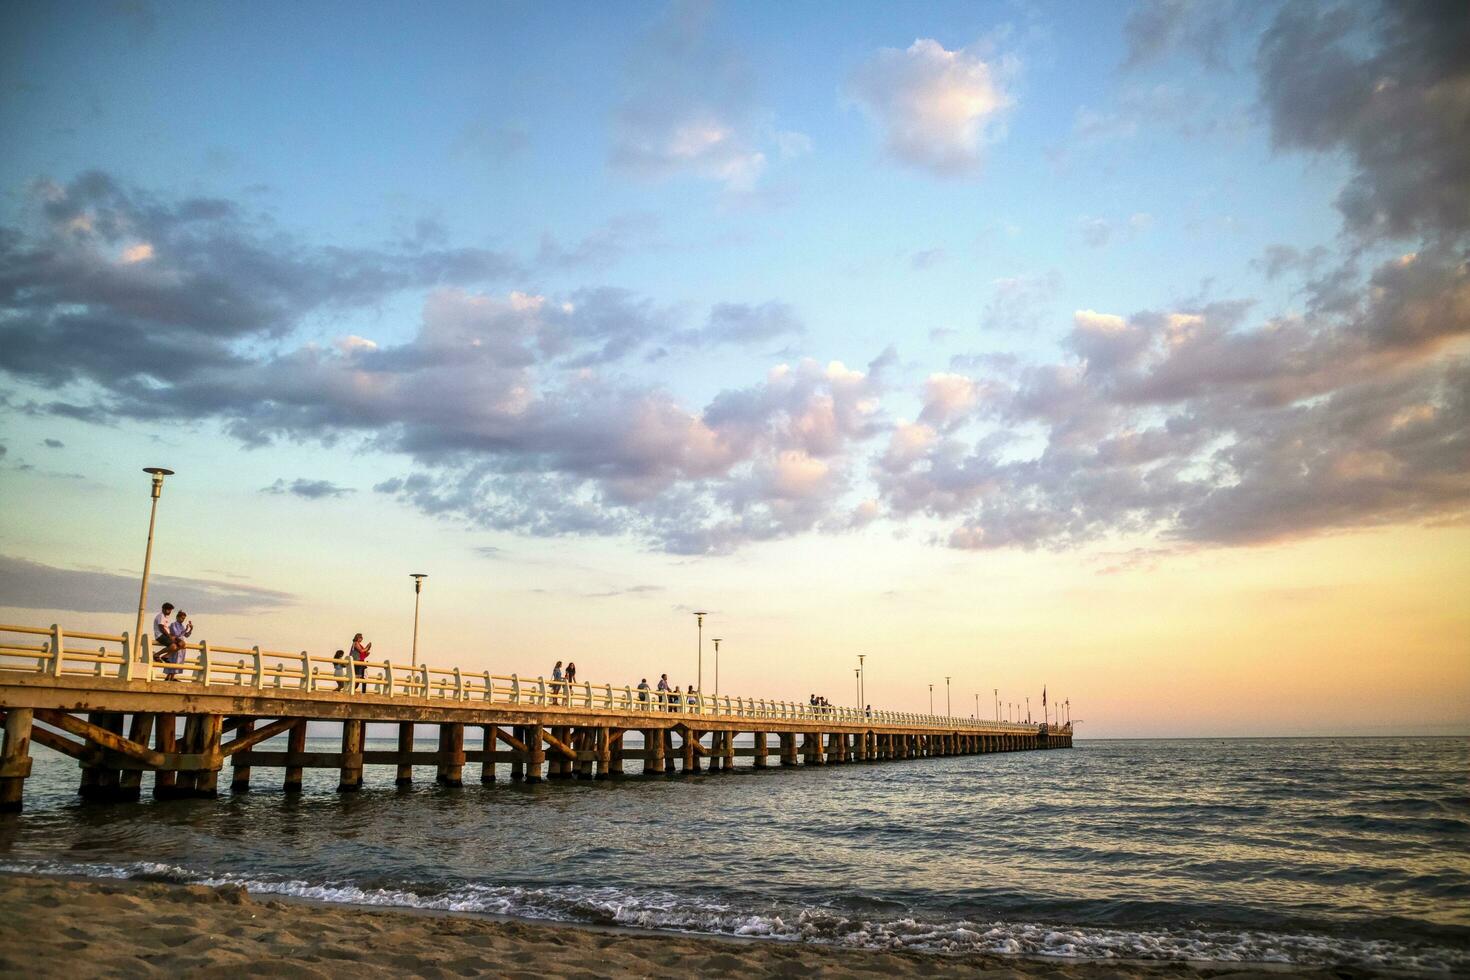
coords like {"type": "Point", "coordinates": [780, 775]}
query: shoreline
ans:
{"type": "Point", "coordinates": [54, 926]}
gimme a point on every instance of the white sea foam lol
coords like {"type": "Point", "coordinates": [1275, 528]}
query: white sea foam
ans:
{"type": "Point", "coordinates": [667, 911]}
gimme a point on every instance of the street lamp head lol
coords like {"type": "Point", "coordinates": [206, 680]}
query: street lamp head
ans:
{"type": "Point", "coordinates": [158, 473]}
{"type": "Point", "coordinates": [716, 641]}
{"type": "Point", "coordinates": [418, 579]}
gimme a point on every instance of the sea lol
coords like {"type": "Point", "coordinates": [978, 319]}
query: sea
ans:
{"type": "Point", "coordinates": [1322, 852]}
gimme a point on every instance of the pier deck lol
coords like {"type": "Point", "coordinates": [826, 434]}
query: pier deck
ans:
{"type": "Point", "coordinates": [90, 696]}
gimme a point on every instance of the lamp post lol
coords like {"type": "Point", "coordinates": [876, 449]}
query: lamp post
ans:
{"type": "Point", "coordinates": [157, 473]}
{"type": "Point", "coordinates": [418, 586]}
{"type": "Point", "coordinates": [996, 691]}
{"type": "Point", "coordinates": [977, 707]}
{"type": "Point", "coordinates": [857, 683]}
{"type": "Point", "coordinates": [948, 708]}
{"type": "Point", "coordinates": [699, 673]}
{"type": "Point", "coordinates": [716, 642]}
{"type": "Point", "coordinates": [862, 681]}
{"type": "Point", "coordinates": [931, 699]}
{"type": "Point", "coordinates": [1028, 710]}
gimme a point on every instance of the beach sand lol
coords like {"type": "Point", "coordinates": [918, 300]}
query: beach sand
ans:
{"type": "Point", "coordinates": [63, 927]}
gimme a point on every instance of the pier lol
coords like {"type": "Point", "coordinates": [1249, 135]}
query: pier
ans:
{"type": "Point", "coordinates": [95, 698]}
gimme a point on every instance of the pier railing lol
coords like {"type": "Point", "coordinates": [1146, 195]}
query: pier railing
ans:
{"type": "Point", "coordinates": [60, 652]}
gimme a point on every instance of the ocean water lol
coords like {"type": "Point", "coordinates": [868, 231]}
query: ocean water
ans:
{"type": "Point", "coordinates": [1306, 851]}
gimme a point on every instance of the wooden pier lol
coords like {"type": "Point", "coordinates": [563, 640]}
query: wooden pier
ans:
{"type": "Point", "coordinates": [91, 697]}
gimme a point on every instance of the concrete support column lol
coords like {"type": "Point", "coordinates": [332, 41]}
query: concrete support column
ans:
{"type": "Point", "coordinates": [403, 776]}
{"type": "Point", "coordinates": [451, 755]}
{"type": "Point", "coordinates": [211, 730]}
{"type": "Point", "coordinates": [535, 752]}
{"type": "Point", "coordinates": [295, 744]}
{"type": "Point", "coordinates": [130, 783]}
{"type": "Point", "coordinates": [788, 748]}
{"type": "Point", "coordinates": [691, 757]}
{"type": "Point", "coordinates": [759, 760]}
{"type": "Point", "coordinates": [489, 743]}
{"type": "Point", "coordinates": [518, 764]}
{"type": "Point", "coordinates": [165, 739]}
{"type": "Point", "coordinates": [615, 755]}
{"type": "Point", "coordinates": [239, 775]}
{"type": "Point", "coordinates": [350, 780]}
{"type": "Point", "coordinates": [15, 759]}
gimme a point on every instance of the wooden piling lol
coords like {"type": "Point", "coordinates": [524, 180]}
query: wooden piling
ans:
{"type": "Point", "coordinates": [15, 758]}
{"type": "Point", "coordinates": [165, 740]}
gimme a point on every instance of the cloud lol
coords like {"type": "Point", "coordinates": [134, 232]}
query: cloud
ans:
{"type": "Point", "coordinates": [1389, 86]}
{"type": "Point", "coordinates": [309, 489]}
{"type": "Point", "coordinates": [28, 584]}
{"type": "Point", "coordinates": [927, 258]}
{"type": "Point", "coordinates": [1195, 425]}
{"type": "Point", "coordinates": [513, 406]}
{"type": "Point", "coordinates": [599, 249]}
{"type": "Point", "coordinates": [690, 108]}
{"type": "Point", "coordinates": [1157, 29]}
{"type": "Point", "coordinates": [1021, 303]}
{"type": "Point", "coordinates": [53, 444]}
{"type": "Point", "coordinates": [743, 323]}
{"type": "Point", "coordinates": [936, 108]}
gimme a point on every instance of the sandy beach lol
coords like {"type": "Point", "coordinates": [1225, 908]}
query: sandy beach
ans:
{"type": "Point", "coordinates": [60, 927]}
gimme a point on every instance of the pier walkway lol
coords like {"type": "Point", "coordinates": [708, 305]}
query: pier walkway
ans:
{"type": "Point", "coordinates": [89, 696]}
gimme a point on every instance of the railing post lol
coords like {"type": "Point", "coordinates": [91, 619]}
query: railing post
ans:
{"type": "Point", "coordinates": [259, 667]}
{"type": "Point", "coordinates": [388, 675]}
{"type": "Point", "coordinates": [609, 703]}
{"type": "Point", "coordinates": [490, 696]}
{"type": "Point", "coordinates": [57, 646]}
{"type": "Point", "coordinates": [515, 688]}
{"type": "Point", "coordinates": [204, 661]}
{"type": "Point", "coordinates": [587, 685]}
{"type": "Point", "coordinates": [306, 684]}
{"type": "Point", "coordinates": [424, 675]}
{"type": "Point", "coordinates": [128, 668]}
{"type": "Point", "coordinates": [458, 685]}
{"type": "Point", "coordinates": [541, 693]}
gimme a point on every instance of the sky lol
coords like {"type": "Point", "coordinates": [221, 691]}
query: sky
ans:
{"type": "Point", "coordinates": [1121, 350]}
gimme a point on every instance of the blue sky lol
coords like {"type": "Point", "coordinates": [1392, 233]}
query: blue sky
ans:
{"type": "Point", "coordinates": [665, 299]}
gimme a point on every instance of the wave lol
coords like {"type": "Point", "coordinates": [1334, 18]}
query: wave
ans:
{"type": "Point", "coordinates": [669, 911]}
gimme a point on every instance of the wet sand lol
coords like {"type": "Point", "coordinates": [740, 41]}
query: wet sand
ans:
{"type": "Point", "coordinates": [64, 927]}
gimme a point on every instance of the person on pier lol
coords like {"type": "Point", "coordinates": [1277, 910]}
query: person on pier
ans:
{"type": "Point", "coordinates": [162, 635]}
{"type": "Point", "coordinates": [556, 678]}
{"type": "Point", "coordinates": [179, 632]}
{"type": "Point", "coordinates": [360, 651]}
{"type": "Point", "coordinates": [571, 678]}
{"type": "Point", "coordinates": [663, 691]}
{"type": "Point", "coordinates": [643, 690]}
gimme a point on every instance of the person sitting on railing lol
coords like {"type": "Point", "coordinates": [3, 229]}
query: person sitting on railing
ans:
{"type": "Point", "coordinates": [643, 690]}
{"type": "Point", "coordinates": [360, 651]}
{"type": "Point", "coordinates": [179, 634]}
{"type": "Point", "coordinates": [162, 635]}
{"type": "Point", "coordinates": [342, 668]}
{"type": "Point", "coordinates": [556, 676]}
{"type": "Point", "coordinates": [692, 698]}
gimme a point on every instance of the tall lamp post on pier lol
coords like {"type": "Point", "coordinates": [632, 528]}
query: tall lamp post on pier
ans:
{"type": "Point", "coordinates": [996, 692]}
{"type": "Point", "coordinates": [931, 699]}
{"type": "Point", "coordinates": [716, 642]}
{"type": "Point", "coordinates": [948, 708]}
{"type": "Point", "coordinates": [418, 586]}
{"type": "Point", "coordinates": [857, 683]}
{"type": "Point", "coordinates": [862, 681]}
{"type": "Point", "coordinates": [699, 673]}
{"type": "Point", "coordinates": [157, 473]}
{"type": "Point", "coordinates": [977, 706]}
{"type": "Point", "coordinates": [1028, 710]}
